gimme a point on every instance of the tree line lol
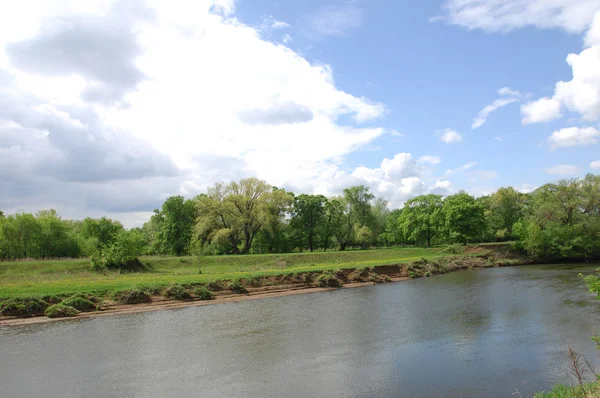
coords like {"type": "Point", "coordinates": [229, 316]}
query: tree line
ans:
{"type": "Point", "coordinates": [557, 220]}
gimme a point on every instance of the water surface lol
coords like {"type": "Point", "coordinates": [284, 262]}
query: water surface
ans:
{"type": "Point", "coordinates": [483, 333]}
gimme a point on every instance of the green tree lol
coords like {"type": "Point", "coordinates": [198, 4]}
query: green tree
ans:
{"type": "Point", "coordinates": [505, 207]}
{"type": "Point", "coordinates": [55, 239]}
{"type": "Point", "coordinates": [464, 217]}
{"type": "Point", "coordinates": [177, 217]}
{"type": "Point", "coordinates": [359, 199]}
{"type": "Point", "coordinates": [308, 217]}
{"type": "Point", "coordinates": [100, 232]}
{"type": "Point", "coordinates": [422, 218]}
{"type": "Point", "coordinates": [393, 233]}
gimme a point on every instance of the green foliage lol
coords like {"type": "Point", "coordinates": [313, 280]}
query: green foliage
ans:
{"type": "Point", "coordinates": [122, 254]}
{"type": "Point", "coordinates": [456, 249]}
{"type": "Point", "coordinates": [422, 218]}
{"type": "Point", "coordinates": [204, 294]}
{"type": "Point", "coordinates": [132, 296]}
{"type": "Point", "coordinates": [80, 304]}
{"type": "Point", "coordinates": [60, 311]}
{"type": "Point", "coordinates": [177, 292]}
{"type": "Point", "coordinates": [464, 219]}
{"type": "Point", "coordinates": [328, 279]}
{"type": "Point", "coordinates": [175, 222]}
{"type": "Point", "coordinates": [24, 307]}
{"type": "Point", "coordinates": [236, 287]}
{"type": "Point", "coordinates": [308, 217]}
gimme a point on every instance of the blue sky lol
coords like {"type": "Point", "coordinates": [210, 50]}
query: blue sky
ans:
{"type": "Point", "coordinates": [113, 105]}
{"type": "Point", "coordinates": [432, 76]}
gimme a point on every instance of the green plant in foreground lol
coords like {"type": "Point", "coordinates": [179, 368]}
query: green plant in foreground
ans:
{"type": "Point", "coordinates": [80, 304]}
{"type": "Point", "coordinates": [60, 311]}
{"type": "Point", "coordinates": [236, 287]}
{"type": "Point", "coordinates": [177, 292]}
{"type": "Point", "coordinates": [204, 294]}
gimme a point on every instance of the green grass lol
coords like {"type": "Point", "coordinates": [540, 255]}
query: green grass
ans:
{"type": "Point", "coordinates": [56, 277]}
{"type": "Point", "coordinates": [592, 390]}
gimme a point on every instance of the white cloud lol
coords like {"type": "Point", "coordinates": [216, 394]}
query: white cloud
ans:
{"type": "Point", "coordinates": [287, 39]}
{"type": "Point", "coordinates": [526, 188]}
{"type": "Point", "coordinates": [574, 16]}
{"type": "Point", "coordinates": [507, 91]}
{"type": "Point", "coordinates": [485, 112]}
{"type": "Point", "coordinates": [543, 110]}
{"type": "Point", "coordinates": [563, 170]}
{"type": "Point", "coordinates": [450, 136]}
{"type": "Point", "coordinates": [212, 101]}
{"type": "Point", "coordinates": [574, 136]}
{"type": "Point", "coordinates": [428, 159]}
{"type": "Point", "coordinates": [461, 169]}
{"type": "Point", "coordinates": [581, 94]}
{"type": "Point", "coordinates": [595, 164]}
{"type": "Point", "coordinates": [269, 22]}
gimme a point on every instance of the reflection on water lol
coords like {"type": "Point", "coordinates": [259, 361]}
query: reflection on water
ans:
{"type": "Point", "coordinates": [465, 334]}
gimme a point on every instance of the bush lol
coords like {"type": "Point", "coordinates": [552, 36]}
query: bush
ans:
{"type": "Point", "coordinates": [327, 279]}
{"type": "Point", "coordinates": [237, 287]}
{"type": "Point", "coordinates": [204, 294]}
{"type": "Point", "coordinates": [60, 311]}
{"type": "Point", "coordinates": [456, 249]}
{"type": "Point", "coordinates": [177, 292]}
{"type": "Point", "coordinates": [79, 303]}
{"type": "Point", "coordinates": [133, 296]}
{"type": "Point", "coordinates": [122, 254]}
{"type": "Point", "coordinates": [215, 286]}
{"type": "Point", "coordinates": [23, 308]}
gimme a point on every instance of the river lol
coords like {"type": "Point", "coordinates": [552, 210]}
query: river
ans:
{"type": "Point", "coordinates": [481, 333]}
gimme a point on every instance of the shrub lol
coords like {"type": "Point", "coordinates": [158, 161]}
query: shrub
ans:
{"type": "Point", "coordinates": [412, 274]}
{"type": "Point", "coordinates": [236, 287]}
{"type": "Point", "coordinates": [23, 308]}
{"type": "Point", "coordinates": [376, 278]}
{"type": "Point", "coordinates": [60, 311]}
{"type": "Point", "coordinates": [427, 274]}
{"type": "Point", "coordinates": [456, 249]}
{"type": "Point", "coordinates": [177, 292]}
{"type": "Point", "coordinates": [388, 279]}
{"type": "Point", "coordinates": [79, 303]}
{"type": "Point", "coordinates": [204, 294]}
{"type": "Point", "coordinates": [327, 279]}
{"type": "Point", "coordinates": [215, 286]}
{"type": "Point", "coordinates": [122, 254]}
{"type": "Point", "coordinates": [133, 296]}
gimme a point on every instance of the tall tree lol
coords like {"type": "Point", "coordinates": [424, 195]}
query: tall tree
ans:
{"type": "Point", "coordinates": [359, 199]}
{"type": "Point", "coordinates": [308, 217]}
{"type": "Point", "coordinates": [422, 218]}
{"type": "Point", "coordinates": [177, 220]}
{"type": "Point", "coordinates": [464, 217]}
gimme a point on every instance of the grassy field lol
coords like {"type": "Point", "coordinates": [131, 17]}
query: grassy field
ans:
{"type": "Point", "coordinates": [592, 390]}
{"type": "Point", "coordinates": [53, 277]}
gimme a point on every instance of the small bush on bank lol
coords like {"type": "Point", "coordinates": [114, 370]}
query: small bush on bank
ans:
{"type": "Point", "coordinates": [23, 308]}
{"type": "Point", "coordinates": [236, 287]}
{"type": "Point", "coordinates": [215, 286]}
{"type": "Point", "coordinates": [60, 311]}
{"type": "Point", "coordinates": [80, 304]}
{"type": "Point", "coordinates": [376, 278]}
{"type": "Point", "coordinates": [177, 292]}
{"type": "Point", "coordinates": [204, 294]}
{"type": "Point", "coordinates": [133, 296]}
{"type": "Point", "coordinates": [456, 249]}
{"type": "Point", "coordinates": [327, 279]}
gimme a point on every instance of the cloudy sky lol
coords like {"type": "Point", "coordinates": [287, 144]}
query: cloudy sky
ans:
{"type": "Point", "coordinates": [108, 107]}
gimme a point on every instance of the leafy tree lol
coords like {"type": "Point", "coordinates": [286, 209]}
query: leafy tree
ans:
{"type": "Point", "coordinates": [342, 225]}
{"type": "Point", "coordinates": [359, 199]}
{"type": "Point", "coordinates": [505, 207]}
{"type": "Point", "coordinates": [464, 218]}
{"type": "Point", "coordinates": [308, 217]}
{"type": "Point", "coordinates": [55, 239]}
{"type": "Point", "coordinates": [422, 218]}
{"type": "Point", "coordinates": [380, 214]}
{"type": "Point", "coordinates": [100, 232]}
{"type": "Point", "coordinates": [393, 233]}
{"type": "Point", "coordinates": [278, 205]}
{"type": "Point", "coordinates": [177, 217]}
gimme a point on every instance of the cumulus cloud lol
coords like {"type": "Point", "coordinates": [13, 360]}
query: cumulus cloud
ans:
{"type": "Point", "coordinates": [581, 94]}
{"type": "Point", "coordinates": [543, 110]}
{"type": "Point", "coordinates": [595, 164]}
{"type": "Point", "coordinates": [450, 136]}
{"type": "Point", "coordinates": [574, 136]}
{"type": "Point", "coordinates": [101, 49]}
{"type": "Point", "coordinates": [207, 99]}
{"type": "Point", "coordinates": [563, 170]}
{"type": "Point", "coordinates": [285, 113]}
{"type": "Point", "coordinates": [507, 15]}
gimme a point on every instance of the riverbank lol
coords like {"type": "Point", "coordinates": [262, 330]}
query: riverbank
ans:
{"type": "Point", "coordinates": [270, 283]}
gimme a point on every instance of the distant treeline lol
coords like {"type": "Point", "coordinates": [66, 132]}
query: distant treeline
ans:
{"type": "Point", "coordinates": [557, 220]}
